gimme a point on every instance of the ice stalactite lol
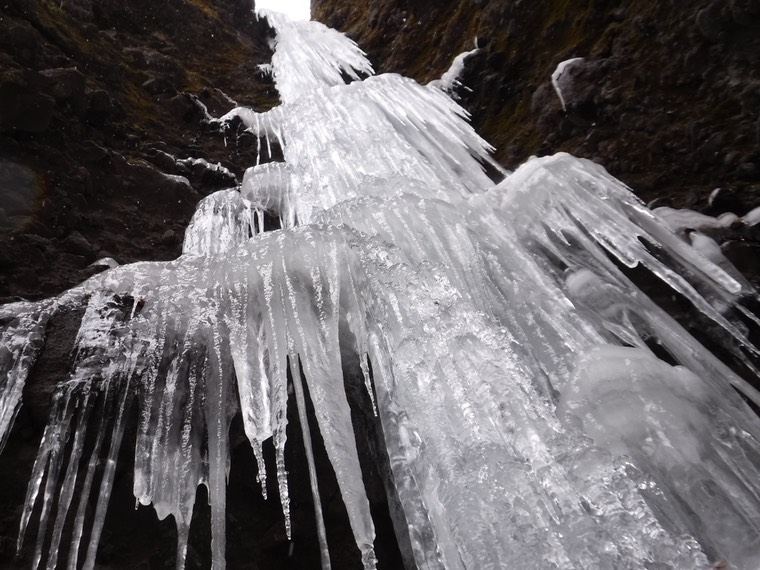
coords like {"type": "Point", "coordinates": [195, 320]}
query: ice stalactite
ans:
{"type": "Point", "coordinates": [21, 338]}
{"type": "Point", "coordinates": [538, 409]}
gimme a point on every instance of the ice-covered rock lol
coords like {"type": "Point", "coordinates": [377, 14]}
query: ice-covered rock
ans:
{"type": "Point", "coordinates": [449, 81]}
{"type": "Point", "coordinates": [561, 77]}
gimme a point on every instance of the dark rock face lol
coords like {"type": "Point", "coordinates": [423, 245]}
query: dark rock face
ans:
{"type": "Point", "coordinates": [97, 100]}
{"type": "Point", "coordinates": [666, 98]}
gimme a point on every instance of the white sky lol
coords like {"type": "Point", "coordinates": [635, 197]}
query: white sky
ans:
{"type": "Point", "coordinates": [296, 9]}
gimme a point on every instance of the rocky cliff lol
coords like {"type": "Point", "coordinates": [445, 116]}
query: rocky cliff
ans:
{"type": "Point", "coordinates": [100, 102]}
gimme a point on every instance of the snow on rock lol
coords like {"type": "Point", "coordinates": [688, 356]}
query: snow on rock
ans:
{"type": "Point", "coordinates": [177, 179]}
{"type": "Point", "coordinates": [679, 220]}
{"type": "Point", "coordinates": [215, 167]}
{"type": "Point", "coordinates": [108, 262]}
{"type": "Point", "coordinates": [560, 76]}
{"type": "Point", "coordinates": [449, 81]}
{"type": "Point", "coordinates": [752, 218]}
{"type": "Point", "coordinates": [504, 339]}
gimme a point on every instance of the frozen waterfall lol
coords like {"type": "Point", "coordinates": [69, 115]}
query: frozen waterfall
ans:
{"type": "Point", "coordinates": [538, 409]}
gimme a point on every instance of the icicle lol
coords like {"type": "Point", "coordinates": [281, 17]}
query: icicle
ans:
{"type": "Point", "coordinates": [277, 350]}
{"type": "Point", "coordinates": [67, 487]}
{"type": "Point", "coordinates": [315, 336]}
{"type": "Point", "coordinates": [106, 484]}
{"type": "Point", "coordinates": [355, 315]}
{"type": "Point", "coordinates": [188, 468]}
{"type": "Point", "coordinates": [48, 463]}
{"type": "Point", "coordinates": [278, 132]}
{"type": "Point", "coordinates": [258, 140]}
{"type": "Point", "coordinates": [217, 409]}
{"type": "Point", "coordinates": [79, 520]}
{"type": "Point", "coordinates": [267, 132]}
{"type": "Point", "coordinates": [20, 343]}
{"type": "Point", "coordinates": [260, 220]}
{"type": "Point", "coordinates": [302, 418]}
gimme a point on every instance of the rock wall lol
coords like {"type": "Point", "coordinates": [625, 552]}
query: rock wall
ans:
{"type": "Point", "coordinates": [667, 97]}
{"type": "Point", "coordinates": [97, 100]}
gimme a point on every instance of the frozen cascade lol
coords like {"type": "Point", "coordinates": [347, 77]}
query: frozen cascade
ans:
{"type": "Point", "coordinates": [222, 221]}
{"type": "Point", "coordinates": [528, 418]}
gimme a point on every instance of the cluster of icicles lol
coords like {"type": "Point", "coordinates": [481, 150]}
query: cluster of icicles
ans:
{"type": "Point", "coordinates": [527, 420]}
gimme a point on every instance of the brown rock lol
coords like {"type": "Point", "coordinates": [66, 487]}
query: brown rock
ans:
{"type": "Point", "coordinates": [80, 9]}
{"type": "Point", "coordinates": [67, 84]}
{"type": "Point", "coordinates": [101, 106]}
{"type": "Point", "coordinates": [78, 244]}
{"type": "Point", "coordinates": [23, 108]}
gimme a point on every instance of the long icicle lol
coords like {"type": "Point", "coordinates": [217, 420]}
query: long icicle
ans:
{"type": "Point", "coordinates": [58, 442]}
{"type": "Point", "coordinates": [106, 484]}
{"type": "Point", "coordinates": [72, 472]}
{"type": "Point", "coordinates": [218, 428]}
{"type": "Point", "coordinates": [295, 368]}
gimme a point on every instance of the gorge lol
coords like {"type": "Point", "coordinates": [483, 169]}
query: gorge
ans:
{"type": "Point", "coordinates": [533, 406]}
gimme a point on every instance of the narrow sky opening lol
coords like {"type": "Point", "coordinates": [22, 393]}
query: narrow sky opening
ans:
{"type": "Point", "coordinates": [295, 9]}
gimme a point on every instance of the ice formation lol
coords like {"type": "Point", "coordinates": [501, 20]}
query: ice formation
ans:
{"type": "Point", "coordinates": [538, 409]}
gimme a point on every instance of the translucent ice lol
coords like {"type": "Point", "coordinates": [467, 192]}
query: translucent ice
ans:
{"type": "Point", "coordinates": [519, 374]}
{"type": "Point", "coordinates": [222, 221]}
{"type": "Point", "coordinates": [670, 424]}
{"type": "Point", "coordinates": [309, 55]}
{"type": "Point", "coordinates": [22, 329]}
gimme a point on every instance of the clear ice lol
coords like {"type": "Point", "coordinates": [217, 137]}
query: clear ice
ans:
{"type": "Point", "coordinates": [539, 410]}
